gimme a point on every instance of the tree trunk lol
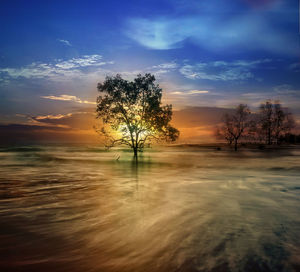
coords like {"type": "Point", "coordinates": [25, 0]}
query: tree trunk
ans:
{"type": "Point", "coordinates": [235, 144]}
{"type": "Point", "coordinates": [135, 152]}
{"type": "Point", "coordinates": [269, 136]}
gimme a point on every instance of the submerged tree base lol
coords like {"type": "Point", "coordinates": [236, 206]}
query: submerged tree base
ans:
{"type": "Point", "coordinates": [132, 113]}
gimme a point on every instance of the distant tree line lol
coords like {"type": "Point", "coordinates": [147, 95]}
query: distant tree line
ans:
{"type": "Point", "coordinates": [271, 124]}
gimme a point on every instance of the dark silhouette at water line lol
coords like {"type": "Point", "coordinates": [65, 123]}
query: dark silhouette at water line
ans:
{"type": "Point", "coordinates": [131, 113]}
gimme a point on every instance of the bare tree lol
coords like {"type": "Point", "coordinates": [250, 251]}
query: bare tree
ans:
{"type": "Point", "coordinates": [235, 125]}
{"type": "Point", "coordinates": [266, 120]}
{"type": "Point", "coordinates": [274, 121]}
{"type": "Point", "coordinates": [223, 133]}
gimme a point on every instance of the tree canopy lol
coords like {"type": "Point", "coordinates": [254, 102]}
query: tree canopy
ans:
{"type": "Point", "coordinates": [132, 113]}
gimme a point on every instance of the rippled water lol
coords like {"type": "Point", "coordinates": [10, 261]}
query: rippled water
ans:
{"type": "Point", "coordinates": [178, 209]}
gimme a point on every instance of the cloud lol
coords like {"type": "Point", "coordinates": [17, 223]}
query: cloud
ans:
{"type": "Point", "coordinates": [85, 61]}
{"type": "Point", "coordinates": [85, 68]}
{"type": "Point", "coordinates": [77, 126]}
{"type": "Point", "coordinates": [285, 93]}
{"type": "Point", "coordinates": [198, 116]}
{"type": "Point", "coordinates": [156, 34]}
{"type": "Point", "coordinates": [65, 42]}
{"type": "Point", "coordinates": [162, 68]}
{"type": "Point", "coordinates": [295, 67]}
{"type": "Point", "coordinates": [198, 124]}
{"type": "Point", "coordinates": [58, 70]}
{"type": "Point", "coordinates": [53, 117]}
{"type": "Point", "coordinates": [42, 120]}
{"type": "Point", "coordinates": [65, 97]}
{"type": "Point", "coordinates": [190, 92]}
{"type": "Point", "coordinates": [198, 92]}
{"type": "Point", "coordinates": [258, 4]}
{"type": "Point", "coordinates": [286, 89]}
{"type": "Point", "coordinates": [82, 120]}
{"type": "Point", "coordinates": [225, 6]}
{"type": "Point", "coordinates": [221, 70]}
{"type": "Point", "coordinates": [216, 32]}
{"type": "Point", "coordinates": [157, 70]}
{"type": "Point", "coordinates": [28, 133]}
{"type": "Point", "coordinates": [168, 65]}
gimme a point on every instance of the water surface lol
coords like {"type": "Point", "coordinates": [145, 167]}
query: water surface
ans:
{"type": "Point", "coordinates": [80, 208]}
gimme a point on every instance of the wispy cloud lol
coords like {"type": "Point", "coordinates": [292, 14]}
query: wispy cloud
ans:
{"type": "Point", "coordinates": [295, 66]}
{"type": "Point", "coordinates": [157, 70]}
{"type": "Point", "coordinates": [87, 67]}
{"type": "Point", "coordinates": [53, 117]}
{"type": "Point", "coordinates": [57, 70]}
{"type": "Point", "coordinates": [85, 61]}
{"type": "Point", "coordinates": [286, 89]}
{"type": "Point", "coordinates": [157, 34]}
{"type": "Point", "coordinates": [190, 92]}
{"type": "Point", "coordinates": [41, 120]}
{"type": "Point", "coordinates": [65, 97]}
{"type": "Point", "coordinates": [65, 42]}
{"type": "Point", "coordinates": [245, 31]}
{"type": "Point", "coordinates": [73, 120]}
{"type": "Point", "coordinates": [198, 92]}
{"type": "Point", "coordinates": [167, 65]}
{"type": "Point", "coordinates": [221, 70]}
{"type": "Point", "coordinates": [285, 93]}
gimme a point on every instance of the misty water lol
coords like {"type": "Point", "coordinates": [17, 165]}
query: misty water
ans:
{"type": "Point", "coordinates": [81, 208]}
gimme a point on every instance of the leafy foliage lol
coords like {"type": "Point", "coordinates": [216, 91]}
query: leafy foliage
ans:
{"type": "Point", "coordinates": [132, 114]}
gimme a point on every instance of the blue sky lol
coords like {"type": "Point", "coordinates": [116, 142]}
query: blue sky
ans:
{"type": "Point", "coordinates": [203, 53]}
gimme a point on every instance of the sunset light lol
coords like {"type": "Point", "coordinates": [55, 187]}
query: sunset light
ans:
{"type": "Point", "coordinates": [149, 136]}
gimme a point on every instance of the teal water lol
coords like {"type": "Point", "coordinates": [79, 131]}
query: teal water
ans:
{"type": "Point", "coordinates": [80, 208]}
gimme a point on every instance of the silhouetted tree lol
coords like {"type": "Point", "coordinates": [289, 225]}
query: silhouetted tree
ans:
{"type": "Point", "coordinates": [235, 124]}
{"type": "Point", "coordinates": [290, 138]}
{"type": "Point", "coordinates": [223, 133]}
{"type": "Point", "coordinates": [274, 121]}
{"type": "Point", "coordinates": [132, 113]}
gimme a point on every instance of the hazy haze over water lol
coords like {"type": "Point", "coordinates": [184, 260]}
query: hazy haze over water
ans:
{"type": "Point", "coordinates": [77, 208]}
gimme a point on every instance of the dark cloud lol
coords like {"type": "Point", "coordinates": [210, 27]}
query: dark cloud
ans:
{"type": "Point", "coordinates": [74, 127]}
{"type": "Point", "coordinates": [198, 116]}
{"type": "Point", "coordinates": [76, 120]}
{"type": "Point", "coordinates": [196, 124]}
{"type": "Point", "coordinates": [18, 133]}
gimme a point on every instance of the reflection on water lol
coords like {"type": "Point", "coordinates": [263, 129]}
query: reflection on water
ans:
{"type": "Point", "coordinates": [177, 209]}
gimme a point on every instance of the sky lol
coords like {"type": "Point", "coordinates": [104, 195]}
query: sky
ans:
{"type": "Point", "coordinates": [207, 55]}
